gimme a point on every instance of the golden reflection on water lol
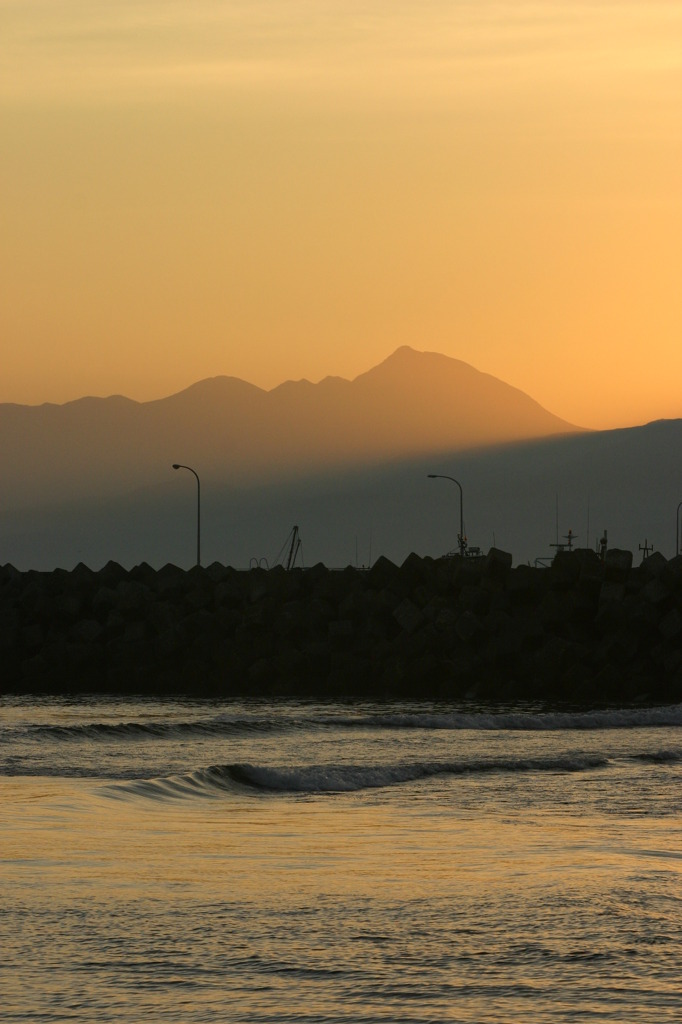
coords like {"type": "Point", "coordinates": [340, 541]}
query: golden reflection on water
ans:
{"type": "Point", "coordinates": [526, 877]}
{"type": "Point", "coordinates": [341, 907]}
{"type": "Point", "coordinates": [69, 834]}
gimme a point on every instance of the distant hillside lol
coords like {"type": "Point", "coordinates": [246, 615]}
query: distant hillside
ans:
{"type": "Point", "coordinates": [414, 403]}
{"type": "Point", "coordinates": [625, 481]}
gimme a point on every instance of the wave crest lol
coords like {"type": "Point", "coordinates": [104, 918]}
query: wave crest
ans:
{"type": "Point", "coordinates": [321, 779]}
{"type": "Point", "coordinates": [523, 721]}
{"type": "Point", "coordinates": [226, 725]}
{"type": "Point", "coordinates": [218, 726]}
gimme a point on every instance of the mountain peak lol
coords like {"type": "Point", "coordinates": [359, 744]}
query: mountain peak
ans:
{"type": "Point", "coordinates": [412, 403]}
{"type": "Point", "coordinates": [406, 357]}
{"type": "Point", "coordinates": [474, 398]}
{"type": "Point", "coordinates": [214, 387]}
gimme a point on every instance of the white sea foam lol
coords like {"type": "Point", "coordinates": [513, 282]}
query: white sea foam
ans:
{"type": "Point", "coordinates": [243, 725]}
{"type": "Point", "coordinates": [526, 721]}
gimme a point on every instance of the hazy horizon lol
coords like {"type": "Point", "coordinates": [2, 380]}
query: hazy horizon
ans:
{"type": "Point", "coordinates": [153, 396]}
{"type": "Point", "coordinates": [246, 189]}
{"type": "Point", "coordinates": [327, 377]}
{"type": "Point", "coordinates": [622, 481]}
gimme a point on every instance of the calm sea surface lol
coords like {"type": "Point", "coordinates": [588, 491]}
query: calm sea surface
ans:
{"type": "Point", "coordinates": [167, 861]}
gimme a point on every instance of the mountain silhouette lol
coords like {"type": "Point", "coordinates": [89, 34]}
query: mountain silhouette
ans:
{"type": "Point", "coordinates": [413, 403]}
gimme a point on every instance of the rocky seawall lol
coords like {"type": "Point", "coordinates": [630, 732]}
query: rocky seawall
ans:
{"type": "Point", "coordinates": [581, 630]}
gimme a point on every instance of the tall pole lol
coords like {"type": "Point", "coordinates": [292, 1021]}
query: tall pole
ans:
{"type": "Point", "coordinates": [178, 465]}
{"type": "Point", "coordinates": [460, 537]}
{"type": "Point", "coordinates": [677, 530]}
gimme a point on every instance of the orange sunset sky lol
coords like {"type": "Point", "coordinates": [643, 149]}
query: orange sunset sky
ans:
{"type": "Point", "coordinates": [277, 189]}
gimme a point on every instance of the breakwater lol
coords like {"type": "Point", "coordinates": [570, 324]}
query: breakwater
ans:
{"type": "Point", "coordinates": [582, 630]}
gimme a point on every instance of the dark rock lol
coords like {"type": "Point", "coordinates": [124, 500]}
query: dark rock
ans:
{"type": "Point", "coordinates": [591, 565]}
{"type": "Point", "coordinates": [200, 596]}
{"type": "Point", "coordinates": [318, 614]}
{"type": "Point", "coordinates": [554, 659]}
{"type": "Point", "coordinates": [261, 671]}
{"type": "Point", "coordinates": [468, 627]}
{"type": "Point", "coordinates": [135, 632]}
{"type": "Point", "coordinates": [83, 655]}
{"type": "Point", "coordinates": [111, 574]}
{"type": "Point", "coordinates": [565, 569]}
{"type": "Point", "coordinates": [32, 635]}
{"type": "Point", "coordinates": [81, 574]}
{"type": "Point", "coordinates": [290, 618]}
{"type": "Point", "coordinates": [611, 593]}
{"type": "Point", "coordinates": [355, 605]}
{"type": "Point", "coordinates": [35, 669]}
{"type": "Point", "coordinates": [104, 600]}
{"type": "Point", "coordinates": [526, 582]}
{"type": "Point", "coordinates": [654, 566]}
{"type": "Point", "coordinates": [467, 571]}
{"type": "Point", "coordinates": [387, 600]}
{"type": "Point", "coordinates": [672, 574]}
{"type": "Point", "coordinates": [170, 579]}
{"type": "Point", "coordinates": [315, 576]}
{"type": "Point", "coordinates": [417, 573]}
{"type": "Point", "coordinates": [671, 625]}
{"type": "Point", "coordinates": [445, 619]}
{"type": "Point", "coordinates": [168, 643]}
{"type": "Point", "coordinates": [617, 565]}
{"type": "Point", "coordinates": [556, 608]}
{"type": "Point", "coordinates": [217, 572]}
{"type": "Point", "coordinates": [475, 599]}
{"type": "Point", "coordinates": [131, 597]}
{"type": "Point", "coordinates": [655, 591]}
{"type": "Point", "coordinates": [618, 648]}
{"type": "Point", "coordinates": [87, 631]}
{"type": "Point", "coordinates": [258, 585]}
{"type": "Point", "coordinates": [33, 599]}
{"type": "Point", "coordinates": [143, 573]}
{"type": "Point", "coordinates": [580, 630]}
{"type": "Point", "coordinates": [408, 616]}
{"type": "Point", "coordinates": [340, 629]}
{"type": "Point", "coordinates": [497, 565]}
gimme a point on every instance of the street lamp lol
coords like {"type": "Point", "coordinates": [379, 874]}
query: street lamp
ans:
{"type": "Point", "coordinates": [177, 465]}
{"type": "Point", "coordinates": [677, 530]}
{"type": "Point", "coordinates": [460, 536]}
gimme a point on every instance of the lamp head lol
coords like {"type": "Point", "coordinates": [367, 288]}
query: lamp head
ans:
{"type": "Point", "coordinates": [176, 465]}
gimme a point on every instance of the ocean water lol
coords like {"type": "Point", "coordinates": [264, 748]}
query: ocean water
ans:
{"type": "Point", "coordinates": [253, 862]}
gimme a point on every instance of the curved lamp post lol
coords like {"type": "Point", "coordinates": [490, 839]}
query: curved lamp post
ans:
{"type": "Point", "coordinates": [677, 530]}
{"type": "Point", "coordinates": [460, 536]}
{"type": "Point", "coordinates": [178, 465]}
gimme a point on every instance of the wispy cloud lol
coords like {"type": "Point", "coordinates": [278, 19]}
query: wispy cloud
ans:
{"type": "Point", "coordinates": [437, 48]}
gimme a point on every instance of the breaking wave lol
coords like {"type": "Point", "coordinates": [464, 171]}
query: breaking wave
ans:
{"type": "Point", "coordinates": [480, 720]}
{"type": "Point", "coordinates": [219, 726]}
{"type": "Point", "coordinates": [320, 779]}
{"type": "Point", "coordinates": [524, 721]}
